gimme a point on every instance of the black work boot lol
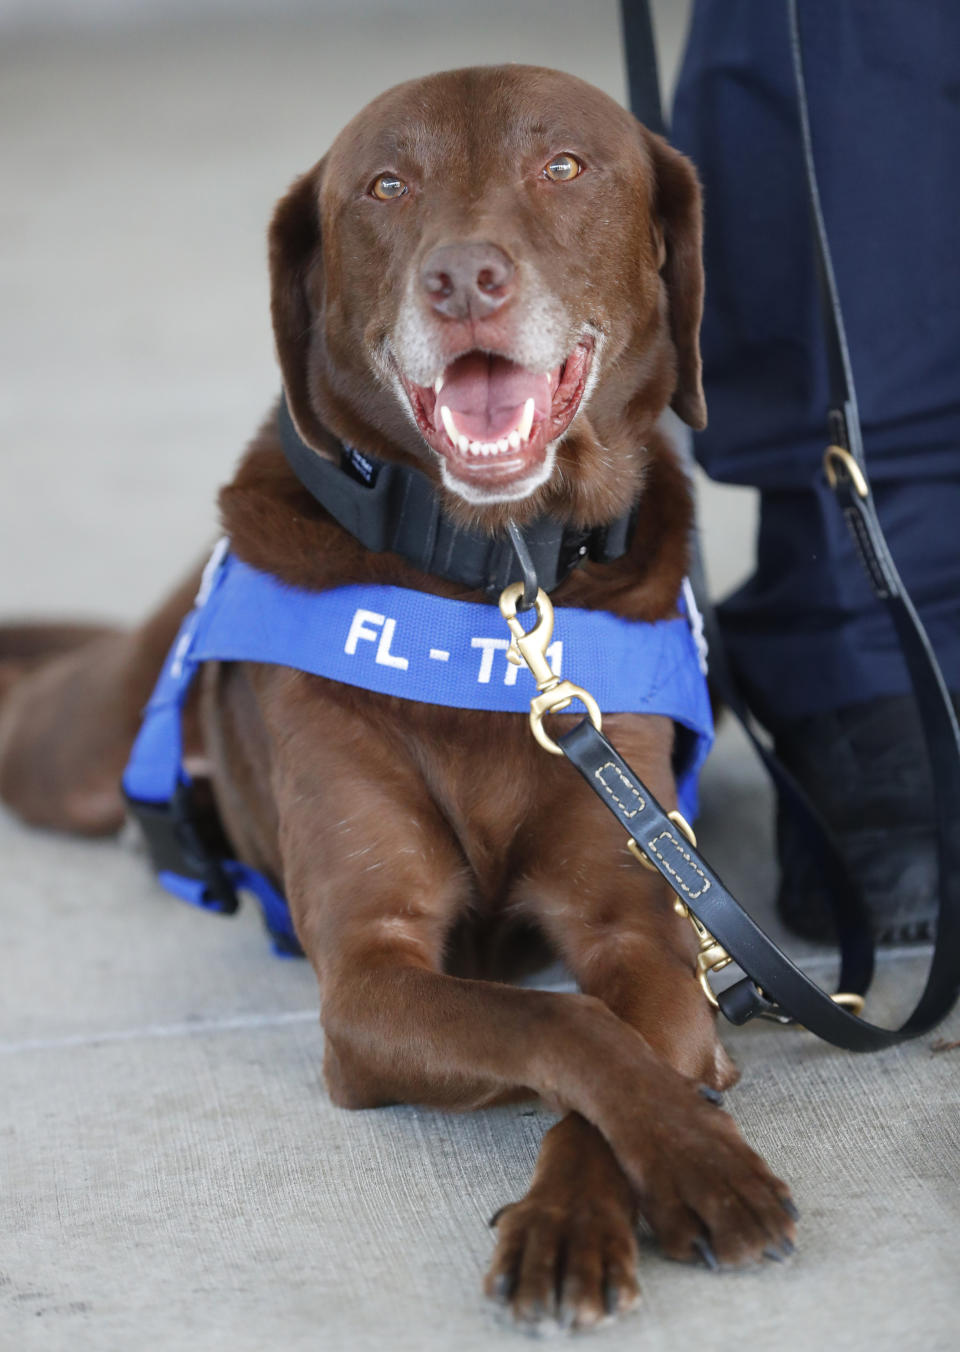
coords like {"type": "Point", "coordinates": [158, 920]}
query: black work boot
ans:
{"type": "Point", "coordinates": [865, 766]}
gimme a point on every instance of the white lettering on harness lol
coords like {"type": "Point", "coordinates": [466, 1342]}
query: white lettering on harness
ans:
{"type": "Point", "coordinates": [360, 628]}
{"type": "Point", "coordinates": [371, 627]}
{"type": "Point", "coordinates": [491, 645]}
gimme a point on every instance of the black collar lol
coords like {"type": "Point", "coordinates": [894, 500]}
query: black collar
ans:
{"type": "Point", "coordinates": [392, 507]}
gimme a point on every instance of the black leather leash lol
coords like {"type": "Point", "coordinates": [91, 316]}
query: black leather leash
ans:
{"type": "Point", "coordinates": [643, 75]}
{"type": "Point", "coordinates": [388, 506]}
{"type": "Point", "coordinates": [846, 471]}
{"type": "Point", "coordinates": [775, 987]}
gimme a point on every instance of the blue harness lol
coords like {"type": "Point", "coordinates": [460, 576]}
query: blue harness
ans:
{"type": "Point", "coordinates": [398, 642]}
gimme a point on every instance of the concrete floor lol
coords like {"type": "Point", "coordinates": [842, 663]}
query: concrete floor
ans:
{"type": "Point", "coordinates": [171, 1172]}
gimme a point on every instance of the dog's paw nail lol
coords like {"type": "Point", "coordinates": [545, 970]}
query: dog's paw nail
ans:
{"type": "Point", "coordinates": [772, 1254]}
{"type": "Point", "coordinates": [788, 1246]}
{"type": "Point", "coordinates": [499, 1289]}
{"type": "Point", "coordinates": [533, 1316]}
{"type": "Point", "coordinates": [712, 1095]}
{"type": "Point", "coordinates": [706, 1253]}
{"type": "Point", "coordinates": [790, 1208]}
{"type": "Point", "coordinates": [492, 1222]}
{"type": "Point", "coordinates": [611, 1298]}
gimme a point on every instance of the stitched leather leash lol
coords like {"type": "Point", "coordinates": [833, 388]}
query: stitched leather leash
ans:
{"type": "Point", "coordinates": [775, 986]}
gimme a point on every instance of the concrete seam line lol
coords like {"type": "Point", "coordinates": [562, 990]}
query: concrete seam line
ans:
{"type": "Point", "coordinates": [281, 1019]}
{"type": "Point", "coordinates": [160, 1030]}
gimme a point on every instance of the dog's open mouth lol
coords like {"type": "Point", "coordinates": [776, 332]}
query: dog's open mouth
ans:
{"type": "Point", "coordinates": [492, 422]}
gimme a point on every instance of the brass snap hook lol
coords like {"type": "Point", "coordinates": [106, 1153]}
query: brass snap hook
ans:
{"type": "Point", "coordinates": [529, 647]}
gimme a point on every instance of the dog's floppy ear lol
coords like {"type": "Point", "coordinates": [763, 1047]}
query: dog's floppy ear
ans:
{"type": "Point", "coordinates": [294, 248]}
{"type": "Point", "coordinates": [678, 215]}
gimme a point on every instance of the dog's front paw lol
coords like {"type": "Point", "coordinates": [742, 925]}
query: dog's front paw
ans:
{"type": "Point", "coordinates": [570, 1264]}
{"type": "Point", "coordinates": [709, 1197]}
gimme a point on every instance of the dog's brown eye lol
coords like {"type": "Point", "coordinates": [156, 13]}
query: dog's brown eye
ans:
{"type": "Point", "coordinates": [562, 168]}
{"type": "Point", "coordinates": [387, 187]}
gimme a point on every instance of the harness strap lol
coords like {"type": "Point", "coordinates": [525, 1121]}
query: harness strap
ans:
{"type": "Point", "coordinates": [392, 507]}
{"type": "Point", "coordinates": [160, 793]}
{"type": "Point", "coordinates": [407, 644]}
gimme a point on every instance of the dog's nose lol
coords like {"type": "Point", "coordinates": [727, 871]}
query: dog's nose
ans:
{"type": "Point", "coordinates": [467, 281]}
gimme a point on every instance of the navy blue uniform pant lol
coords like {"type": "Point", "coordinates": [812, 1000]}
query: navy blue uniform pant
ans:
{"type": "Point", "coordinates": [883, 77]}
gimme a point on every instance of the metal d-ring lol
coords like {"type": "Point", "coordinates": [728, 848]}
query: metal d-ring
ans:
{"type": "Point", "coordinates": [835, 456]}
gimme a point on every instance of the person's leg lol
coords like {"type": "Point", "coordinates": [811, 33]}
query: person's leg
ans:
{"type": "Point", "coordinates": [810, 643]}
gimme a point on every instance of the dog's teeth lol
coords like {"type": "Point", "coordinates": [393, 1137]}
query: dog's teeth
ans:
{"type": "Point", "coordinates": [463, 443]}
{"type": "Point", "coordinates": [438, 385]}
{"type": "Point", "coordinates": [449, 426]}
{"type": "Point", "coordinates": [526, 420]}
{"type": "Point", "coordinates": [503, 444]}
{"type": "Point", "coordinates": [514, 440]}
{"type": "Point", "coordinates": [475, 448]}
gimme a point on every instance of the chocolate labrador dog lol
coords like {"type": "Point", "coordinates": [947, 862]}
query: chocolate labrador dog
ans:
{"type": "Point", "coordinates": [494, 275]}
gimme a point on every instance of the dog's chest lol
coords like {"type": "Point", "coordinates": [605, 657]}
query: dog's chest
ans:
{"type": "Point", "coordinates": [487, 778]}
{"type": "Point", "coordinates": [475, 774]}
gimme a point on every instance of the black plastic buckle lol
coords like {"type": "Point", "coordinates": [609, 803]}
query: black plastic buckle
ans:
{"type": "Point", "coordinates": [744, 1000]}
{"type": "Point", "coordinates": [175, 847]}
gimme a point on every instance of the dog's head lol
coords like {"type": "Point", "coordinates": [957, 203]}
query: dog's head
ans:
{"type": "Point", "coordinates": [496, 274]}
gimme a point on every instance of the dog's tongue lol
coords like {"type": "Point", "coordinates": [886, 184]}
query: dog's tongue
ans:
{"type": "Point", "coordinates": [487, 394]}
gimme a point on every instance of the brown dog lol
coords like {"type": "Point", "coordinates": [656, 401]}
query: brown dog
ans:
{"type": "Point", "coordinates": [513, 236]}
